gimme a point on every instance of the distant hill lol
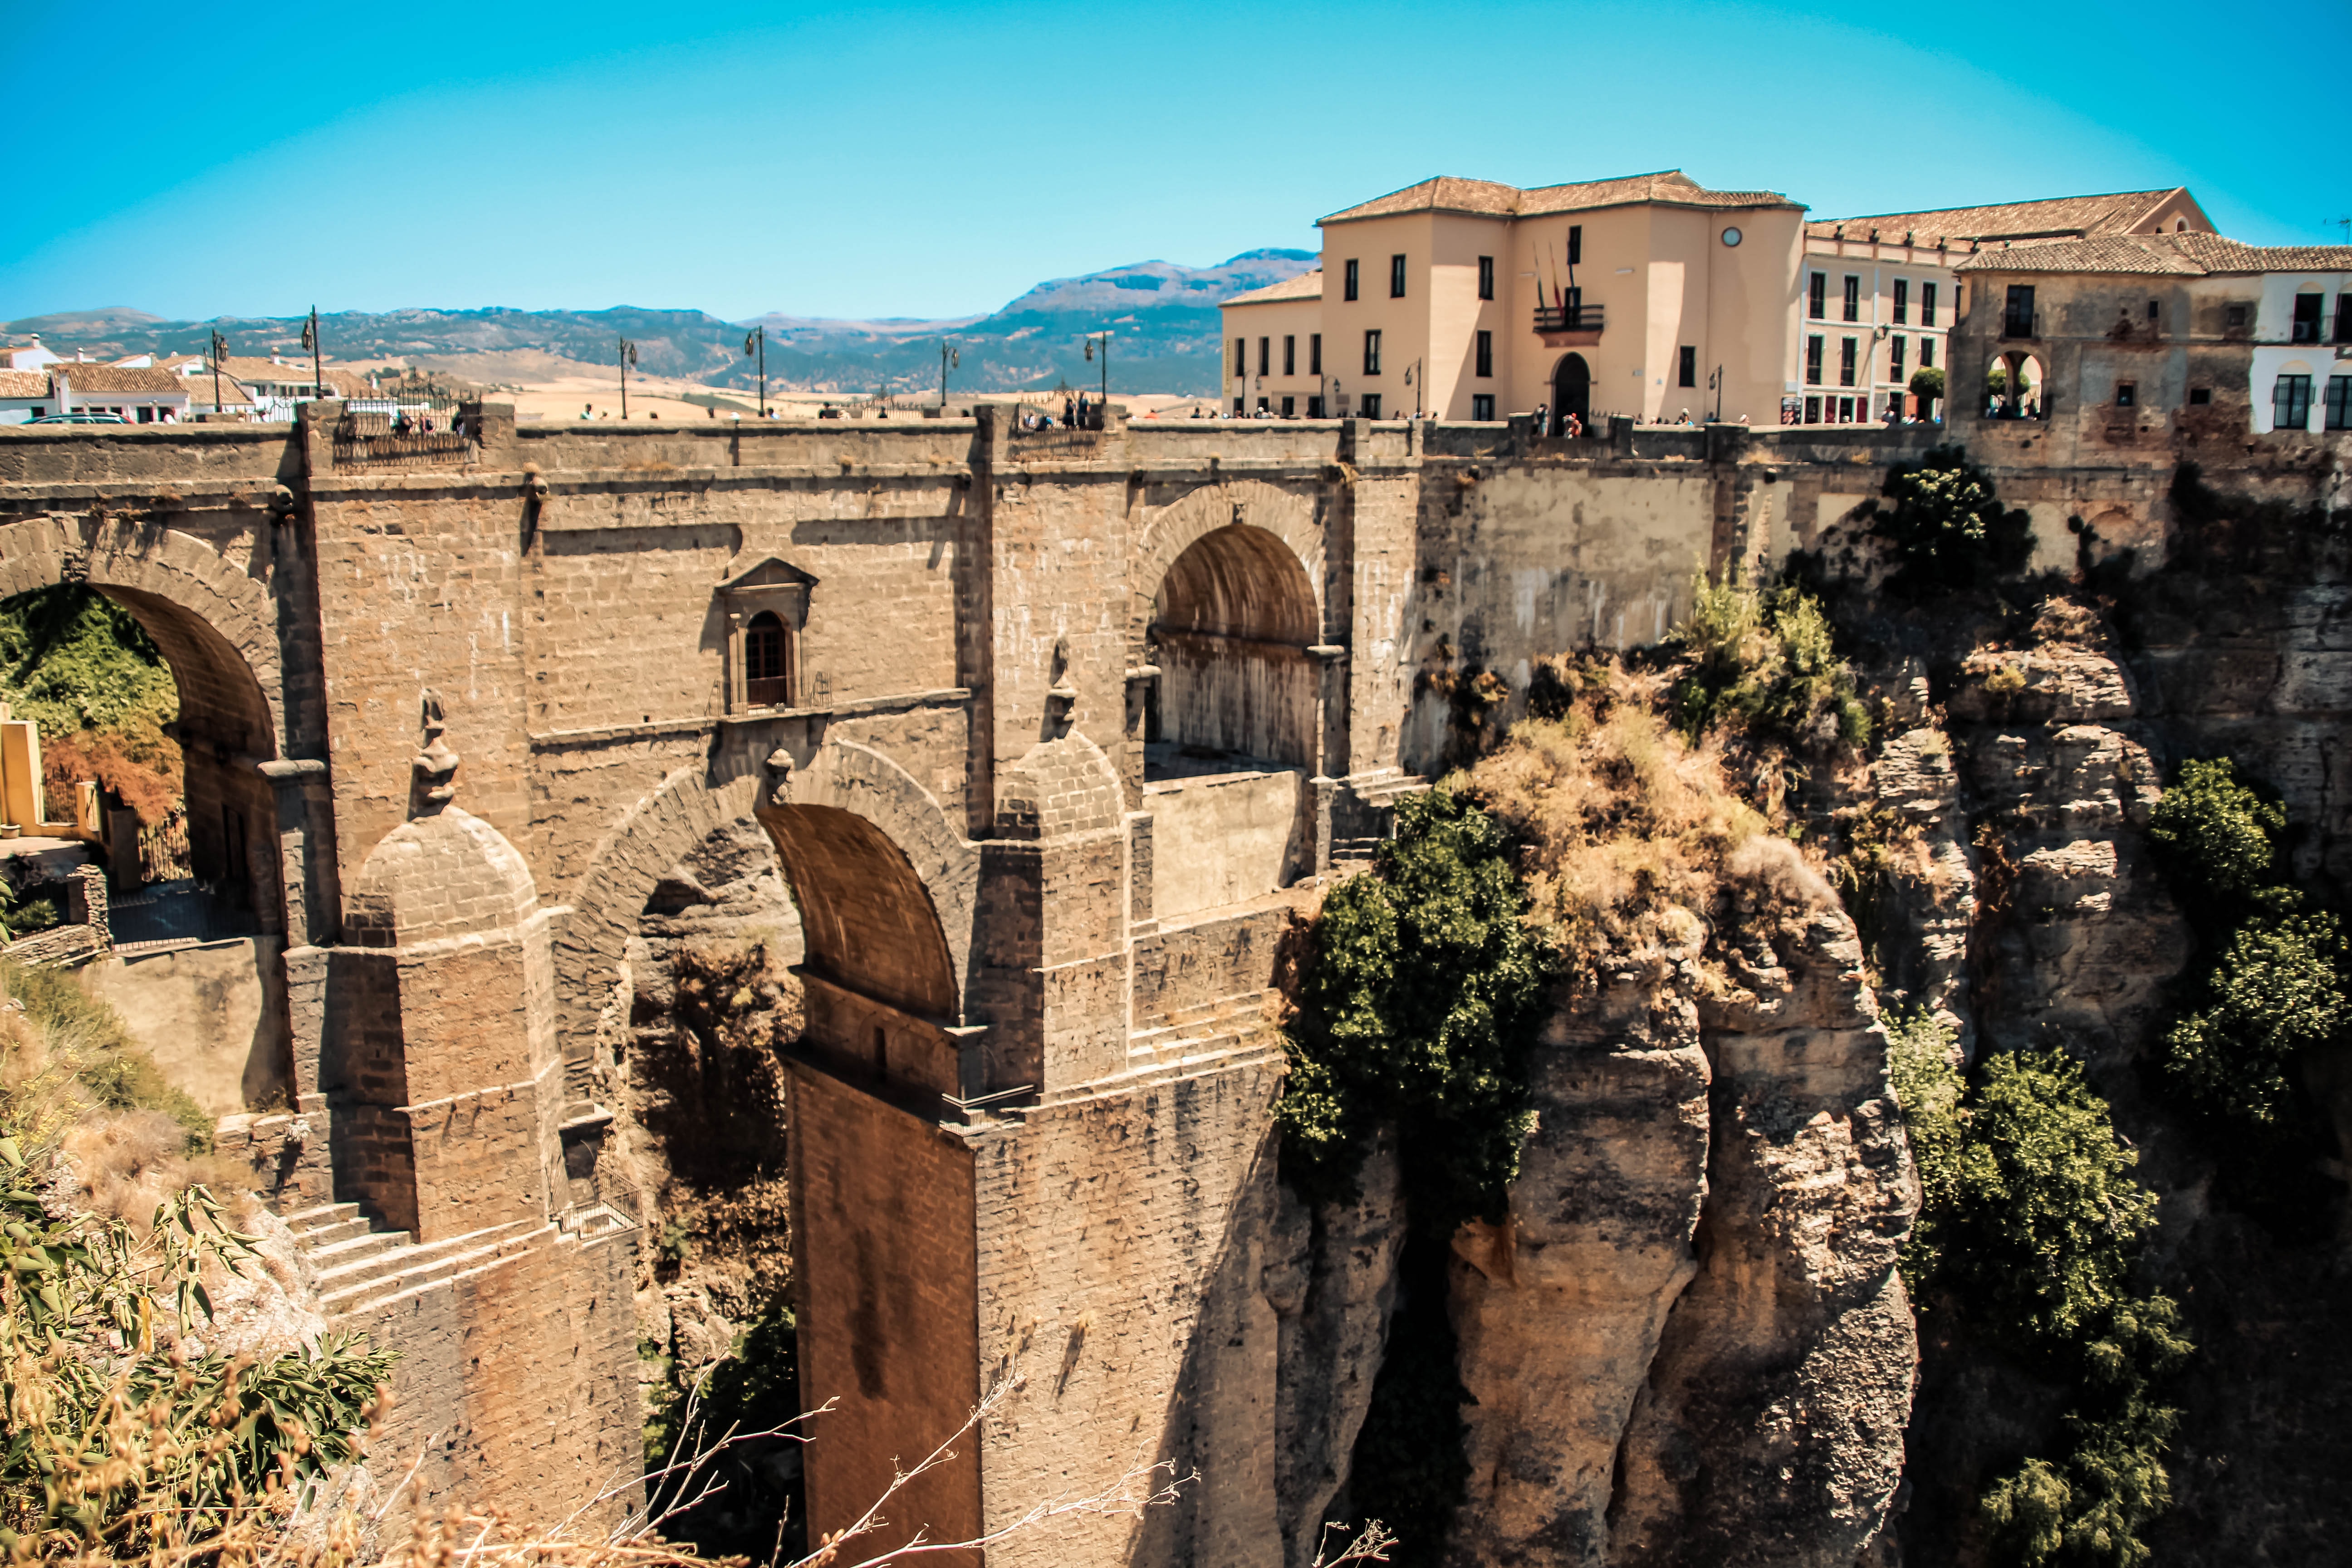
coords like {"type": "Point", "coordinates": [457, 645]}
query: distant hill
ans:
{"type": "Point", "coordinates": [1163, 321]}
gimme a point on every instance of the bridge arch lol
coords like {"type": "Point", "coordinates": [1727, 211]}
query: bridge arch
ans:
{"type": "Point", "coordinates": [869, 854]}
{"type": "Point", "coordinates": [1287, 516]}
{"type": "Point", "coordinates": [215, 625]}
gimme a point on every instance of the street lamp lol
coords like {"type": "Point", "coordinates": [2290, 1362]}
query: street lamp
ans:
{"type": "Point", "coordinates": [1105, 336]}
{"type": "Point", "coordinates": [628, 358]}
{"type": "Point", "coordinates": [950, 358]}
{"type": "Point", "coordinates": [756, 343]}
{"type": "Point", "coordinates": [220, 352]}
{"type": "Point", "coordinates": [310, 341]}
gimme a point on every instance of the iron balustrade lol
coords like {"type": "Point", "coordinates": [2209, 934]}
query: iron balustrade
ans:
{"type": "Point", "coordinates": [1567, 318]}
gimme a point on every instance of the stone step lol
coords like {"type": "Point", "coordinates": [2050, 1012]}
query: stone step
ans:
{"type": "Point", "coordinates": [403, 1269]}
{"type": "Point", "coordinates": [350, 1262]}
{"type": "Point", "coordinates": [332, 1232]}
{"type": "Point", "coordinates": [1201, 1056]}
{"type": "Point", "coordinates": [302, 1222]}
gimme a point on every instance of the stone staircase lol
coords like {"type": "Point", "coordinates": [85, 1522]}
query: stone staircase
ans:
{"type": "Point", "coordinates": [361, 1268]}
{"type": "Point", "coordinates": [1193, 1039]}
{"type": "Point", "coordinates": [1365, 813]}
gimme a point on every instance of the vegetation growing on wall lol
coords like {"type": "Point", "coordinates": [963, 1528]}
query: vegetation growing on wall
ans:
{"type": "Point", "coordinates": [2271, 985]}
{"type": "Point", "coordinates": [1765, 661]}
{"type": "Point", "coordinates": [2029, 1229]}
{"type": "Point", "coordinates": [1946, 528]}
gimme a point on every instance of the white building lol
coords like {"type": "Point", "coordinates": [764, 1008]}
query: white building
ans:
{"type": "Point", "coordinates": [28, 355]}
{"type": "Point", "coordinates": [141, 395]}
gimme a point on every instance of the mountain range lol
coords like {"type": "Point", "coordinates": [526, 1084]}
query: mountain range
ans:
{"type": "Point", "coordinates": [1162, 318]}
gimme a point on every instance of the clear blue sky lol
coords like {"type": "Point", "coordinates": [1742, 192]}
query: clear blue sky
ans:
{"type": "Point", "coordinates": [936, 159]}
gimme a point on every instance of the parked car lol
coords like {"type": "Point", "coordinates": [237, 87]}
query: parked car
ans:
{"type": "Point", "coordinates": [79, 419]}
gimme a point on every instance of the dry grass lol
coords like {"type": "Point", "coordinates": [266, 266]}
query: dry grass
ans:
{"type": "Point", "coordinates": [1629, 831]}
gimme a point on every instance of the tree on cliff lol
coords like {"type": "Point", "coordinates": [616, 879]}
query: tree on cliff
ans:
{"type": "Point", "coordinates": [1948, 528]}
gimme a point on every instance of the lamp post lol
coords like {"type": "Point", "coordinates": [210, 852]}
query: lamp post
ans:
{"type": "Point", "coordinates": [1105, 336]}
{"type": "Point", "coordinates": [628, 357]}
{"type": "Point", "coordinates": [756, 343]}
{"type": "Point", "coordinates": [310, 341]}
{"type": "Point", "coordinates": [220, 351]}
{"type": "Point", "coordinates": [950, 357]}
{"type": "Point", "coordinates": [1716, 382]}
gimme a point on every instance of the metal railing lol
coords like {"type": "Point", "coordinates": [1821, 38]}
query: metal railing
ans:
{"type": "Point", "coordinates": [164, 851]}
{"type": "Point", "coordinates": [403, 431]}
{"type": "Point", "coordinates": [1567, 318]}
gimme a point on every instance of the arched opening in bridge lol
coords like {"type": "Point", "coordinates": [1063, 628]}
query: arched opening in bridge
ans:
{"type": "Point", "coordinates": [1231, 730]}
{"type": "Point", "coordinates": [793, 998]}
{"type": "Point", "coordinates": [151, 726]}
{"type": "Point", "coordinates": [2013, 387]}
{"type": "Point", "coordinates": [1571, 393]}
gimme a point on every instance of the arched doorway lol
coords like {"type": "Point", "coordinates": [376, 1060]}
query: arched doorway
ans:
{"type": "Point", "coordinates": [2013, 387]}
{"type": "Point", "coordinates": [1232, 734]}
{"type": "Point", "coordinates": [1571, 393]}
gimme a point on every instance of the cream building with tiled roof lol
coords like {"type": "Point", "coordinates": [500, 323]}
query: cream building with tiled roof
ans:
{"type": "Point", "coordinates": [1469, 299]}
{"type": "Point", "coordinates": [1877, 297]}
{"type": "Point", "coordinates": [1273, 349]}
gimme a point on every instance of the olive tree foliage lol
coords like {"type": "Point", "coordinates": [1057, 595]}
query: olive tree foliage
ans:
{"type": "Point", "coordinates": [2029, 1229]}
{"type": "Point", "coordinates": [1423, 994]}
{"type": "Point", "coordinates": [1765, 660]}
{"type": "Point", "coordinates": [1947, 527]}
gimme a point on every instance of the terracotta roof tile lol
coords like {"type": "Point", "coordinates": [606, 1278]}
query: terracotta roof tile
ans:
{"type": "Point", "coordinates": [97, 378]}
{"type": "Point", "coordinates": [1306, 286]}
{"type": "Point", "coordinates": [24, 384]}
{"type": "Point", "coordinates": [2173, 255]}
{"type": "Point", "coordinates": [1490, 199]}
{"type": "Point", "coordinates": [2056, 217]}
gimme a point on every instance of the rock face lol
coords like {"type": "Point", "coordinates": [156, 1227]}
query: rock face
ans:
{"type": "Point", "coordinates": [1689, 1345]}
{"type": "Point", "coordinates": [1770, 1430]}
{"type": "Point", "coordinates": [1559, 1314]}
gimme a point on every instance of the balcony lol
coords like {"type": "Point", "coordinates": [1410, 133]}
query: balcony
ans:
{"type": "Point", "coordinates": [1568, 326]}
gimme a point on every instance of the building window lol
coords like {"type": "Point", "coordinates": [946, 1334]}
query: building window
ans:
{"type": "Point", "coordinates": [1314, 409]}
{"type": "Point", "coordinates": [1265, 357]}
{"type": "Point", "coordinates": [1486, 354]}
{"type": "Point", "coordinates": [1902, 300]}
{"type": "Point", "coordinates": [1575, 243]}
{"type": "Point", "coordinates": [2306, 319]}
{"type": "Point", "coordinates": [1927, 307]}
{"type": "Point", "coordinates": [1846, 358]}
{"type": "Point", "coordinates": [2339, 403]}
{"type": "Point", "coordinates": [1373, 351]}
{"type": "Point", "coordinates": [1852, 298]}
{"type": "Point", "coordinates": [767, 662]}
{"type": "Point", "coordinates": [1396, 276]}
{"type": "Point", "coordinates": [1289, 408]}
{"type": "Point", "coordinates": [1686, 367]}
{"type": "Point", "coordinates": [1819, 305]}
{"type": "Point", "coordinates": [1895, 359]}
{"type": "Point", "coordinates": [1241, 356]}
{"type": "Point", "coordinates": [2233, 318]}
{"type": "Point", "coordinates": [2126, 394]}
{"type": "Point", "coordinates": [2151, 312]}
{"type": "Point", "coordinates": [2201, 397]}
{"type": "Point", "coordinates": [2291, 403]}
{"type": "Point", "coordinates": [1482, 406]}
{"type": "Point", "coordinates": [1347, 287]}
{"type": "Point", "coordinates": [1813, 360]}
{"type": "Point", "coordinates": [1926, 353]}
{"type": "Point", "coordinates": [1845, 411]}
{"type": "Point", "coordinates": [2344, 318]}
{"type": "Point", "coordinates": [2017, 321]}
{"type": "Point", "coordinates": [1239, 408]}
{"type": "Point", "coordinates": [1289, 355]}
{"type": "Point", "coordinates": [1315, 354]}
{"type": "Point", "coordinates": [1370, 400]}
{"type": "Point", "coordinates": [1485, 278]}
{"type": "Point", "coordinates": [1813, 410]}
{"type": "Point", "coordinates": [1261, 407]}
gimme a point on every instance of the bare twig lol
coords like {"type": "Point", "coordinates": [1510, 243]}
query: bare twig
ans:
{"type": "Point", "coordinates": [1369, 1544]}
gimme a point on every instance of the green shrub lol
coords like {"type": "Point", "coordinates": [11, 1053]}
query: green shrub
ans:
{"type": "Point", "coordinates": [1927, 1086]}
{"type": "Point", "coordinates": [2216, 836]}
{"type": "Point", "coordinates": [1948, 528]}
{"type": "Point", "coordinates": [2278, 991]}
{"type": "Point", "coordinates": [1417, 1008]}
{"type": "Point", "coordinates": [71, 659]}
{"type": "Point", "coordinates": [1767, 662]}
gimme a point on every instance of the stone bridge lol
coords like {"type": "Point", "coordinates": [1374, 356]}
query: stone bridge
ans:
{"type": "Point", "coordinates": [1052, 735]}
